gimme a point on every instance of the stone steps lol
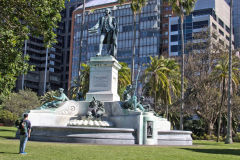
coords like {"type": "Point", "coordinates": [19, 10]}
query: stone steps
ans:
{"type": "Point", "coordinates": [92, 135]}
{"type": "Point", "coordinates": [174, 138]}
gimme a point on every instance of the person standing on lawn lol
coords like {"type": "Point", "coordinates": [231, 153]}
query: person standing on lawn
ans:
{"type": "Point", "coordinates": [25, 132]}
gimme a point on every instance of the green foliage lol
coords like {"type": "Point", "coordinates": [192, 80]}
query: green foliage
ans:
{"type": "Point", "coordinates": [161, 80]}
{"type": "Point", "coordinates": [19, 19]}
{"type": "Point", "coordinates": [124, 78]}
{"type": "Point", "coordinates": [178, 5]}
{"type": "Point", "coordinates": [7, 118]}
{"type": "Point", "coordinates": [81, 85]}
{"type": "Point", "coordinates": [136, 5]}
{"type": "Point", "coordinates": [198, 127]}
{"type": "Point", "coordinates": [21, 102]}
{"type": "Point", "coordinates": [236, 138]}
{"type": "Point", "coordinates": [48, 97]}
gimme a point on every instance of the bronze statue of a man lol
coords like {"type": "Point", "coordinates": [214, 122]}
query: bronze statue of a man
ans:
{"type": "Point", "coordinates": [107, 25]}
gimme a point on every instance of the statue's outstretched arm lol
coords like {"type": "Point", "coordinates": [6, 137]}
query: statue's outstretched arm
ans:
{"type": "Point", "coordinates": [95, 27]}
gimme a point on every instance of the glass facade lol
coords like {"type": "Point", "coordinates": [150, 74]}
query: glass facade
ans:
{"type": "Point", "coordinates": [236, 22]}
{"type": "Point", "coordinates": [197, 21]}
{"type": "Point", "coordinates": [147, 35]}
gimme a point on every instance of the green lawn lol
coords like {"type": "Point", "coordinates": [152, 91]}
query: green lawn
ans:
{"type": "Point", "coordinates": [201, 150]}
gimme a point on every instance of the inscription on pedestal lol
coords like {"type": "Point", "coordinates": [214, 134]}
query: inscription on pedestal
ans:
{"type": "Point", "coordinates": [100, 81]}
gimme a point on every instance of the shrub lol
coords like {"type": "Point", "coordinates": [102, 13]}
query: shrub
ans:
{"type": "Point", "coordinates": [21, 102]}
{"type": "Point", "coordinates": [236, 138]}
{"type": "Point", "coordinates": [8, 118]}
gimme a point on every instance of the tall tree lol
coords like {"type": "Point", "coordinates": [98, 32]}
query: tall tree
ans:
{"type": "Point", "coordinates": [162, 79]}
{"type": "Point", "coordinates": [136, 7]}
{"type": "Point", "coordinates": [229, 117]}
{"type": "Point", "coordinates": [181, 8]}
{"type": "Point", "coordinates": [19, 19]}
{"type": "Point", "coordinates": [221, 76]}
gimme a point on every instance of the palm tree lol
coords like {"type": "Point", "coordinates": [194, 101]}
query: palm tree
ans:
{"type": "Point", "coordinates": [229, 115]}
{"type": "Point", "coordinates": [162, 78]}
{"type": "Point", "coordinates": [221, 76]}
{"type": "Point", "coordinates": [181, 8]}
{"type": "Point", "coordinates": [136, 6]}
{"type": "Point", "coordinates": [81, 84]}
{"type": "Point", "coordinates": [124, 78]}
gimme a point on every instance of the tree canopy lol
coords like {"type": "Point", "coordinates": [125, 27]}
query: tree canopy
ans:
{"type": "Point", "coordinates": [18, 20]}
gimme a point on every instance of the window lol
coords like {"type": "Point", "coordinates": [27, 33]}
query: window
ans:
{"type": "Point", "coordinates": [214, 36]}
{"type": "Point", "coordinates": [174, 48]}
{"type": "Point", "coordinates": [52, 55]}
{"type": "Point", "coordinates": [214, 26]}
{"type": "Point", "coordinates": [220, 22]}
{"type": "Point", "coordinates": [228, 29]}
{"type": "Point", "coordinates": [227, 38]}
{"type": "Point", "coordinates": [51, 69]}
{"type": "Point", "coordinates": [200, 24]}
{"type": "Point", "coordinates": [52, 62]}
{"type": "Point", "coordinates": [221, 42]}
{"type": "Point", "coordinates": [174, 38]}
{"type": "Point", "coordinates": [174, 27]}
{"type": "Point", "coordinates": [221, 32]}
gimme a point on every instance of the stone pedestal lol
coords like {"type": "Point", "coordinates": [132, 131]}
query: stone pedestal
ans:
{"type": "Point", "coordinates": [103, 79]}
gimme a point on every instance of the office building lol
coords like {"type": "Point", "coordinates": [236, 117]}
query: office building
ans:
{"type": "Point", "coordinates": [207, 14]}
{"type": "Point", "coordinates": [236, 23]}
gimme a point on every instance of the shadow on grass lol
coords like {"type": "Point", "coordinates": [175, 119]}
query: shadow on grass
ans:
{"type": "Point", "coordinates": [216, 151]}
{"type": "Point", "coordinates": [8, 153]}
{"type": "Point", "coordinates": [6, 130]}
{"type": "Point", "coordinates": [202, 144]}
{"type": "Point", "coordinates": [8, 137]}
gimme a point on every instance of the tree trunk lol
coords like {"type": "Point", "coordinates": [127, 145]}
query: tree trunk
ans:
{"type": "Point", "coordinates": [182, 72]}
{"type": "Point", "coordinates": [155, 93]}
{"type": "Point", "coordinates": [167, 112]}
{"type": "Point", "coordinates": [229, 115]}
{"type": "Point", "coordinates": [220, 111]}
{"type": "Point", "coordinates": [134, 46]}
{"type": "Point", "coordinates": [81, 43]}
{"type": "Point", "coordinates": [219, 126]}
{"type": "Point", "coordinates": [210, 128]}
{"type": "Point", "coordinates": [138, 46]}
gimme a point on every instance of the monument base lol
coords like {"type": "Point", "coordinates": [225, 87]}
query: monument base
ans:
{"type": "Point", "coordinates": [103, 84]}
{"type": "Point", "coordinates": [104, 96]}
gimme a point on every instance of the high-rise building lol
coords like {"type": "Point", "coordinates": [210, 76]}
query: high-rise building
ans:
{"type": "Point", "coordinates": [56, 73]}
{"type": "Point", "coordinates": [148, 41]}
{"type": "Point", "coordinates": [66, 38]}
{"type": "Point", "coordinates": [236, 23]}
{"type": "Point", "coordinates": [207, 14]}
{"type": "Point", "coordinates": [166, 14]}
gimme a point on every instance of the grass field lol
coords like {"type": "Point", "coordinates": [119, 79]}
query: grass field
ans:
{"type": "Point", "coordinates": [201, 150]}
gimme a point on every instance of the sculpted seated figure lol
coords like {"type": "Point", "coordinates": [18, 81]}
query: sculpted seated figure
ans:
{"type": "Point", "coordinates": [58, 100]}
{"type": "Point", "coordinates": [130, 102]}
